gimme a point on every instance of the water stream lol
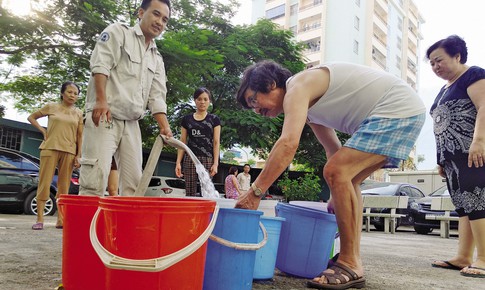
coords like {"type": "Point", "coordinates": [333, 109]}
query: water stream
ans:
{"type": "Point", "coordinates": [206, 185]}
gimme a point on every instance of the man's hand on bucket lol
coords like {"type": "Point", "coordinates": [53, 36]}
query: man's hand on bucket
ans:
{"type": "Point", "coordinates": [248, 201]}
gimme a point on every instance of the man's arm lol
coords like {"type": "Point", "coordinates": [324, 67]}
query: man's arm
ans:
{"type": "Point", "coordinates": [101, 109]}
{"type": "Point", "coordinates": [163, 124]}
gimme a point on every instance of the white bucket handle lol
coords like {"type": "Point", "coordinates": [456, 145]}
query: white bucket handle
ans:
{"type": "Point", "coordinates": [240, 246]}
{"type": "Point", "coordinates": [148, 265]}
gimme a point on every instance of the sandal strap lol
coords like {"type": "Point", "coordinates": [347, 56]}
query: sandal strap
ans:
{"type": "Point", "coordinates": [341, 273]}
{"type": "Point", "coordinates": [346, 271]}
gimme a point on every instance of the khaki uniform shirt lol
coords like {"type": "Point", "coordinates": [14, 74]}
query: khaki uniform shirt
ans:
{"type": "Point", "coordinates": [62, 127]}
{"type": "Point", "coordinates": [136, 75]}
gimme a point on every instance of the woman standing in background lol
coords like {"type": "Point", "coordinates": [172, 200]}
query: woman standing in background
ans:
{"type": "Point", "coordinates": [61, 147]}
{"type": "Point", "coordinates": [201, 132]}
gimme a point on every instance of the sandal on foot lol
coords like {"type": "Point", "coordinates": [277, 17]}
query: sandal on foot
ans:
{"type": "Point", "coordinates": [474, 275]}
{"type": "Point", "coordinates": [38, 226]}
{"type": "Point", "coordinates": [337, 280]}
{"type": "Point", "coordinates": [445, 265]}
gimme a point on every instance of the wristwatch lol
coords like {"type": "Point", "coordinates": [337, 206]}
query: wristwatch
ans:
{"type": "Point", "coordinates": [257, 191]}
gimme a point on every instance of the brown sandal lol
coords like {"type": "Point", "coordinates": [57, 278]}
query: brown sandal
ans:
{"type": "Point", "coordinates": [337, 280]}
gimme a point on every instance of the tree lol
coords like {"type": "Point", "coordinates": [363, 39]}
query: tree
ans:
{"type": "Point", "coordinates": [200, 48]}
{"type": "Point", "coordinates": [228, 157]}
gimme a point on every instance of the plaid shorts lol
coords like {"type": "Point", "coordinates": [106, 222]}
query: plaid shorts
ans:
{"type": "Point", "coordinates": [393, 138]}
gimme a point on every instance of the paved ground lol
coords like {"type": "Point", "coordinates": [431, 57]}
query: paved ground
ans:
{"type": "Point", "coordinates": [31, 260]}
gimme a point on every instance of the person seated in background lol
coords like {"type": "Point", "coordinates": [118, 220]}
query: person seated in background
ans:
{"type": "Point", "coordinates": [231, 186]}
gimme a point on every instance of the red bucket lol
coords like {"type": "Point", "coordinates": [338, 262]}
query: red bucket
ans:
{"type": "Point", "coordinates": [81, 267]}
{"type": "Point", "coordinates": [153, 243]}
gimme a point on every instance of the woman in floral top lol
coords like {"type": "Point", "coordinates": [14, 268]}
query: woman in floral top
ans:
{"type": "Point", "coordinates": [458, 113]}
{"type": "Point", "coordinates": [231, 185]}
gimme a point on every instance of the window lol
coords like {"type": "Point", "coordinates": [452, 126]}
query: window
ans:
{"type": "Point", "coordinates": [294, 30]}
{"type": "Point", "coordinates": [294, 9]}
{"type": "Point", "coordinates": [356, 47]}
{"type": "Point", "coordinates": [356, 22]}
{"type": "Point", "coordinates": [10, 138]}
{"type": "Point", "coordinates": [414, 193]}
{"type": "Point", "coordinates": [399, 43]}
{"type": "Point", "coordinates": [12, 160]}
{"type": "Point", "coordinates": [177, 183]}
{"type": "Point", "coordinates": [155, 182]}
{"type": "Point", "coordinates": [277, 12]}
{"type": "Point", "coordinates": [357, 2]}
{"type": "Point", "coordinates": [399, 24]}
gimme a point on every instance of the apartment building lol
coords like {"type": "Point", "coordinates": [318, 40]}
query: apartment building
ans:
{"type": "Point", "coordinates": [384, 34]}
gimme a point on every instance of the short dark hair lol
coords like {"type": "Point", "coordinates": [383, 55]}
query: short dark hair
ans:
{"type": "Point", "coordinates": [69, 83]}
{"type": "Point", "coordinates": [200, 91]}
{"type": "Point", "coordinates": [259, 77]}
{"type": "Point", "coordinates": [232, 170]}
{"type": "Point", "coordinates": [247, 165]}
{"type": "Point", "coordinates": [146, 3]}
{"type": "Point", "coordinates": [452, 45]}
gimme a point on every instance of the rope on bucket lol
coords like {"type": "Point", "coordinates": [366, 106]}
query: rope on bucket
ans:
{"type": "Point", "coordinates": [241, 246]}
{"type": "Point", "coordinates": [148, 265]}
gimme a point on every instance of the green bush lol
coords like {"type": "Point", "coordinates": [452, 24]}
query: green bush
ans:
{"type": "Point", "coordinates": [306, 187]}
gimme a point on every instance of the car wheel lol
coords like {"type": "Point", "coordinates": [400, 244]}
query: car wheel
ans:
{"type": "Point", "coordinates": [30, 204]}
{"type": "Point", "coordinates": [380, 226]}
{"type": "Point", "coordinates": [422, 230]}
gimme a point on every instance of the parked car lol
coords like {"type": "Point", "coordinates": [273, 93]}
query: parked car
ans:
{"type": "Point", "coordinates": [166, 186]}
{"type": "Point", "coordinates": [422, 207]}
{"type": "Point", "coordinates": [390, 189]}
{"type": "Point", "coordinates": [19, 178]}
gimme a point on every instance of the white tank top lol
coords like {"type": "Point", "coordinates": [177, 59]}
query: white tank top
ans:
{"type": "Point", "coordinates": [357, 92]}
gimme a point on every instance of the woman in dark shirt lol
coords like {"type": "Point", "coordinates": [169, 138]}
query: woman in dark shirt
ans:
{"type": "Point", "coordinates": [201, 132]}
{"type": "Point", "coordinates": [458, 114]}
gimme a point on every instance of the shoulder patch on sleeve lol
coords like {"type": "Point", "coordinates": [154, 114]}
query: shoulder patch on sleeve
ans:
{"type": "Point", "coordinates": [104, 37]}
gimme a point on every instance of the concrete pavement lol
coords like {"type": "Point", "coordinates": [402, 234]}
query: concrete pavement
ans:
{"type": "Point", "coordinates": [32, 259]}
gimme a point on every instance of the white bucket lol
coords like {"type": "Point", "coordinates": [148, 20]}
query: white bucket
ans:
{"type": "Point", "coordinates": [311, 204]}
{"type": "Point", "coordinates": [267, 206]}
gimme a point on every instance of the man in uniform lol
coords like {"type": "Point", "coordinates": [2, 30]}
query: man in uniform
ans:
{"type": "Point", "coordinates": [127, 77]}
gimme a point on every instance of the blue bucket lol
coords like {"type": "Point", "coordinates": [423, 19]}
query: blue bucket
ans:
{"type": "Point", "coordinates": [266, 257]}
{"type": "Point", "coordinates": [231, 267]}
{"type": "Point", "coordinates": [306, 240]}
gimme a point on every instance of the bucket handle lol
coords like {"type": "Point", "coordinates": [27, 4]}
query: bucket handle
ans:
{"type": "Point", "coordinates": [240, 246]}
{"type": "Point", "coordinates": [148, 265]}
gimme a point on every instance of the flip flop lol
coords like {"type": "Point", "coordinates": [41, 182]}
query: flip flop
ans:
{"type": "Point", "coordinates": [337, 279]}
{"type": "Point", "coordinates": [38, 226]}
{"type": "Point", "coordinates": [474, 275]}
{"type": "Point", "coordinates": [447, 265]}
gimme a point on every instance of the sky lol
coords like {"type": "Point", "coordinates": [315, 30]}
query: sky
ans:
{"type": "Point", "coordinates": [442, 18]}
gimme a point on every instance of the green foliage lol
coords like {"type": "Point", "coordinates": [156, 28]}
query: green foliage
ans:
{"type": "Point", "coordinates": [306, 187]}
{"type": "Point", "coordinates": [228, 157]}
{"type": "Point", "coordinates": [200, 48]}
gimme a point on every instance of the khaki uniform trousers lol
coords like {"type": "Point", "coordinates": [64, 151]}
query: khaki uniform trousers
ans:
{"type": "Point", "coordinates": [49, 160]}
{"type": "Point", "coordinates": [121, 139]}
